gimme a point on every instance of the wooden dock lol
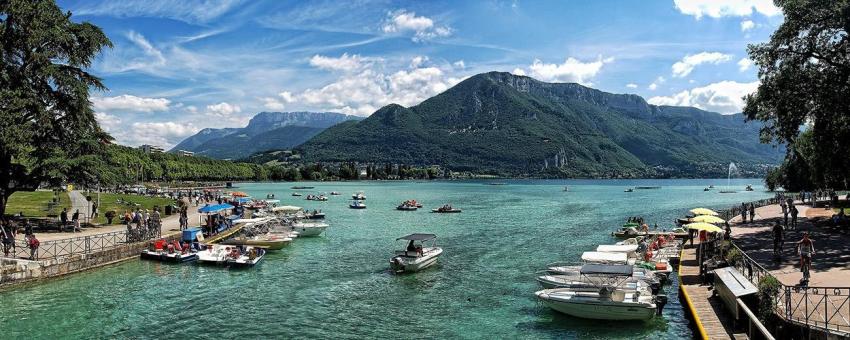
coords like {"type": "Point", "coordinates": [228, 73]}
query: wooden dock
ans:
{"type": "Point", "coordinates": [709, 314]}
{"type": "Point", "coordinates": [225, 234]}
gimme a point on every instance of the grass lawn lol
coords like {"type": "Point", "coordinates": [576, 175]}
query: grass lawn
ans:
{"type": "Point", "coordinates": [35, 203]}
{"type": "Point", "coordinates": [111, 202]}
{"type": "Point", "coordinates": [846, 211]}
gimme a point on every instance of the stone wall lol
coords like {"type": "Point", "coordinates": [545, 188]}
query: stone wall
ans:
{"type": "Point", "coordinates": [15, 271]}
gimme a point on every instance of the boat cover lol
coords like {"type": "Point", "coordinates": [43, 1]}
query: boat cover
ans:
{"type": "Point", "coordinates": [417, 237]}
{"type": "Point", "coordinates": [249, 220]}
{"type": "Point", "coordinates": [215, 208]}
{"type": "Point", "coordinates": [607, 269]}
{"type": "Point", "coordinates": [272, 201]}
{"type": "Point", "coordinates": [595, 256]}
{"type": "Point", "coordinates": [624, 248]}
{"type": "Point", "coordinates": [286, 208]}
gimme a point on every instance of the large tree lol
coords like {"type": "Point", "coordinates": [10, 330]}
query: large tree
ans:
{"type": "Point", "coordinates": [48, 130]}
{"type": "Point", "coordinates": [804, 72]}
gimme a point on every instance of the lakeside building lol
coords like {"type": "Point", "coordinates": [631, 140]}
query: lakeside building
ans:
{"type": "Point", "coordinates": [147, 148]}
{"type": "Point", "coordinates": [185, 153]}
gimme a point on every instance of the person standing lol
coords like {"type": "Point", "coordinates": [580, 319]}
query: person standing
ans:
{"type": "Point", "coordinates": [752, 212]}
{"type": "Point", "coordinates": [93, 210]}
{"type": "Point", "coordinates": [155, 223]}
{"type": "Point", "coordinates": [743, 212]}
{"type": "Point", "coordinates": [33, 244]}
{"type": "Point", "coordinates": [794, 217]}
{"type": "Point", "coordinates": [7, 233]}
{"type": "Point", "coordinates": [778, 239]}
{"type": "Point", "coordinates": [784, 212]}
{"type": "Point", "coordinates": [63, 219]}
{"type": "Point", "coordinates": [75, 220]}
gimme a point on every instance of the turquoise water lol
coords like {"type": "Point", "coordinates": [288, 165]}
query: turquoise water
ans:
{"type": "Point", "coordinates": [338, 286]}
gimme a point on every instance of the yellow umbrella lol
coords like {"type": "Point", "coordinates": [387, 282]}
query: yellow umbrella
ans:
{"type": "Point", "coordinates": [704, 226]}
{"type": "Point", "coordinates": [708, 219]}
{"type": "Point", "coordinates": [703, 211]}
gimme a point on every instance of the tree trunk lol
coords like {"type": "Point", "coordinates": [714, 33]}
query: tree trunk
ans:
{"type": "Point", "coordinates": [5, 181]}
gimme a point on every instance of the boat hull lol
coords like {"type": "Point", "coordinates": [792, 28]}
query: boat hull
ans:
{"type": "Point", "coordinates": [400, 264]}
{"type": "Point", "coordinates": [166, 257]}
{"type": "Point", "coordinates": [601, 312]}
{"type": "Point", "coordinates": [311, 231]}
{"type": "Point", "coordinates": [266, 244]}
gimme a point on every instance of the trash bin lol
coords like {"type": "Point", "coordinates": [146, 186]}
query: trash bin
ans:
{"type": "Point", "coordinates": [169, 209]}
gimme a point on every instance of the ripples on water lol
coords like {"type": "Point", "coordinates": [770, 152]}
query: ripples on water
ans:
{"type": "Point", "coordinates": [339, 286]}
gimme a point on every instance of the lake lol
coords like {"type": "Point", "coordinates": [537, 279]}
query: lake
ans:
{"type": "Point", "coordinates": [338, 285]}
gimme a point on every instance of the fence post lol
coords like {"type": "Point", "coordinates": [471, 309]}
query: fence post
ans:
{"type": "Point", "coordinates": [88, 246]}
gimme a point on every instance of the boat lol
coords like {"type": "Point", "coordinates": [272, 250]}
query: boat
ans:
{"type": "Point", "coordinates": [446, 209]}
{"type": "Point", "coordinates": [298, 187]}
{"type": "Point", "coordinates": [497, 183]}
{"type": "Point", "coordinates": [647, 187]}
{"type": "Point", "coordinates": [416, 256]}
{"type": "Point", "coordinates": [309, 229]}
{"type": "Point", "coordinates": [566, 188]}
{"type": "Point", "coordinates": [711, 186]}
{"type": "Point", "coordinates": [269, 196]}
{"type": "Point", "coordinates": [706, 189]}
{"type": "Point", "coordinates": [234, 256]}
{"type": "Point", "coordinates": [575, 281]}
{"type": "Point", "coordinates": [357, 205]}
{"type": "Point", "coordinates": [629, 190]}
{"type": "Point", "coordinates": [311, 197]}
{"type": "Point", "coordinates": [315, 215]}
{"type": "Point", "coordinates": [358, 196]}
{"type": "Point", "coordinates": [749, 187]}
{"type": "Point", "coordinates": [169, 252]}
{"type": "Point", "coordinates": [322, 198]}
{"type": "Point", "coordinates": [296, 194]}
{"type": "Point", "coordinates": [406, 207]}
{"type": "Point", "coordinates": [609, 301]}
{"type": "Point", "coordinates": [269, 241]}
{"type": "Point", "coordinates": [335, 193]}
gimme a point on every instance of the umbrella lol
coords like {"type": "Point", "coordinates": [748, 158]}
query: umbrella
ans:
{"type": "Point", "coordinates": [704, 226]}
{"type": "Point", "coordinates": [708, 219]}
{"type": "Point", "coordinates": [238, 194]}
{"type": "Point", "coordinates": [703, 211]}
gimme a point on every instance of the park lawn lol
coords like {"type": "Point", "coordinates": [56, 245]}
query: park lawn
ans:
{"type": "Point", "coordinates": [35, 203]}
{"type": "Point", "coordinates": [846, 210]}
{"type": "Point", "coordinates": [111, 202]}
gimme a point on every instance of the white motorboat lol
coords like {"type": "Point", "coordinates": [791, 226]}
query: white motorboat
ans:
{"type": "Point", "coordinates": [633, 283]}
{"type": "Point", "coordinates": [628, 249]}
{"type": "Point", "coordinates": [358, 196]}
{"type": "Point", "coordinates": [416, 256]}
{"type": "Point", "coordinates": [236, 256]}
{"type": "Point", "coordinates": [357, 205]}
{"type": "Point", "coordinates": [564, 271]}
{"type": "Point", "coordinates": [609, 301]}
{"type": "Point", "coordinates": [309, 229]}
{"type": "Point", "coordinates": [214, 254]}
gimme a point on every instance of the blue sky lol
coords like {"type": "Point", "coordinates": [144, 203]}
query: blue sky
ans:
{"type": "Point", "coordinates": [180, 66]}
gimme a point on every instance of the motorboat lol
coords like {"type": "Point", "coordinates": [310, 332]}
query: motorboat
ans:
{"type": "Point", "coordinates": [446, 209]}
{"type": "Point", "coordinates": [269, 241]}
{"type": "Point", "coordinates": [749, 187]}
{"type": "Point", "coordinates": [169, 252]}
{"type": "Point", "coordinates": [296, 194]}
{"type": "Point", "coordinates": [634, 283]}
{"type": "Point", "coordinates": [406, 207]}
{"type": "Point", "coordinates": [299, 187]}
{"type": "Point", "coordinates": [286, 210]}
{"type": "Point", "coordinates": [309, 229]}
{"type": "Point", "coordinates": [706, 189]}
{"type": "Point", "coordinates": [566, 188]}
{"type": "Point", "coordinates": [335, 193]}
{"type": "Point", "coordinates": [647, 187]}
{"type": "Point", "coordinates": [311, 197]}
{"type": "Point", "coordinates": [629, 190]}
{"type": "Point", "coordinates": [610, 301]}
{"type": "Point", "coordinates": [629, 249]}
{"type": "Point", "coordinates": [322, 198]}
{"type": "Point", "coordinates": [235, 256]}
{"type": "Point", "coordinates": [357, 205]}
{"type": "Point", "coordinates": [562, 271]}
{"type": "Point", "coordinates": [269, 196]}
{"type": "Point", "coordinates": [358, 196]}
{"type": "Point", "coordinates": [416, 256]}
{"type": "Point", "coordinates": [314, 215]}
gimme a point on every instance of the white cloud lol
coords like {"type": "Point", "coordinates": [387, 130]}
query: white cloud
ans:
{"type": "Point", "coordinates": [658, 81]}
{"type": "Point", "coordinates": [109, 123]}
{"type": "Point", "coordinates": [459, 64]}
{"type": "Point", "coordinates": [722, 8]}
{"type": "Point", "coordinates": [272, 104]}
{"type": "Point", "coordinates": [518, 71]}
{"type": "Point", "coordinates": [188, 11]}
{"type": "Point", "coordinates": [164, 134]}
{"type": "Point", "coordinates": [571, 70]}
{"type": "Point", "coordinates": [343, 63]}
{"type": "Point", "coordinates": [223, 109]}
{"type": "Point", "coordinates": [286, 96]}
{"type": "Point", "coordinates": [128, 102]}
{"type": "Point", "coordinates": [423, 28]}
{"type": "Point", "coordinates": [192, 109]}
{"type": "Point", "coordinates": [418, 61]}
{"type": "Point", "coordinates": [689, 62]}
{"type": "Point", "coordinates": [744, 64]}
{"type": "Point", "coordinates": [724, 97]}
{"type": "Point", "coordinates": [632, 85]}
{"type": "Point", "coordinates": [747, 25]}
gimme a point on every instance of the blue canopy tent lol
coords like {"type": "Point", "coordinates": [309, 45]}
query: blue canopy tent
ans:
{"type": "Point", "coordinates": [243, 199]}
{"type": "Point", "coordinates": [215, 208]}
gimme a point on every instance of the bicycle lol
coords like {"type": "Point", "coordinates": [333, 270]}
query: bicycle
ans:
{"type": "Point", "coordinates": [805, 265]}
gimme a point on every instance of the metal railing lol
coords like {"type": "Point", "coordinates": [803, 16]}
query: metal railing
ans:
{"type": "Point", "coordinates": [83, 244]}
{"type": "Point", "coordinates": [748, 267]}
{"type": "Point", "coordinates": [753, 321]}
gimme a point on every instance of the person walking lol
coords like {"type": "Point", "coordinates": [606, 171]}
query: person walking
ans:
{"type": "Point", "coordinates": [155, 223]}
{"type": "Point", "coordinates": [752, 212]}
{"type": "Point", "coordinates": [75, 220]}
{"type": "Point", "coordinates": [778, 239]}
{"type": "Point", "coordinates": [93, 210]}
{"type": "Point", "coordinates": [784, 212]}
{"type": "Point", "coordinates": [743, 212]}
{"type": "Point", "coordinates": [33, 244]}
{"type": "Point", "coordinates": [63, 219]}
{"type": "Point", "coordinates": [794, 217]}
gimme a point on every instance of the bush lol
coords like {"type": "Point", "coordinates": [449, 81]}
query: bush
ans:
{"type": "Point", "coordinates": [733, 256]}
{"type": "Point", "coordinates": [769, 288]}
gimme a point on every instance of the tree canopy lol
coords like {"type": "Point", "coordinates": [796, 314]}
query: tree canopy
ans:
{"type": "Point", "coordinates": [48, 130]}
{"type": "Point", "coordinates": [804, 74]}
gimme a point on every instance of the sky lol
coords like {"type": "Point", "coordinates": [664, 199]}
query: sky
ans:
{"type": "Point", "coordinates": [180, 66]}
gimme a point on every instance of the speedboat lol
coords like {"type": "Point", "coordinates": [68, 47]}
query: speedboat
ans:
{"type": "Point", "coordinates": [335, 193]}
{"type": "Point", "coordinates": [315, 215]}
{"type": "Point", "coordinates": [416, 256]}
{"type": "Point", "coordinates": [311, 197]}
{"type": "Point", "coordinates": [302, 187]}
{"type": "Point", "coordinates": [634, 283]}
{"type": "Point", "coordinates": [406, 207]}
{"type": "Point", "coordinates": [566, 188]}
{"type": "Point", "coordinates": [296, 194]}
{"type": "Point", "coordinates": [268, 241]}
{"type": "Point", "coordinates": [322, 198]}
{"type": "Point", "coordinates": [214, 254]}
{"type": "Point", "coordinates": [358, 196]}
{"type": "Point", "coordinates": [169, 252]}
{"type": "Point", "coordinates": [446, 209]}
{"type": "Point", "coordinates": [749, 188]}
{"type": "Point", "coordinates": [629, 190]}
{"type": "Point", "coordinates": [357, 205]}
{"type": "Point", "coordinates": [610, 300]}
{"type": "Point", "coordinates": [236, 256]}
{"type": "Point", "coordinates": [706, 189]}
{"type": "Point", "coordinates": [309, 229]}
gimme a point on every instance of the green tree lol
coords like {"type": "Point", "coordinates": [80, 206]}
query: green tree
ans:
{"type": "Point", "coordinates": [48, 131]}
{"type": "Point", "coordinates": [804, 74]}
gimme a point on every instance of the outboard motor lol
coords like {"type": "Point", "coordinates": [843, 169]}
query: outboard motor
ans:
{"type": "Point", "coordinates": [660, 301]}
{"type": "Point", "coordinates": [655, 287]}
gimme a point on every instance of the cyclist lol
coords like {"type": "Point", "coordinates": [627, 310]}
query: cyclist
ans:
{"type": "Point", "coordinates": [806, 248]}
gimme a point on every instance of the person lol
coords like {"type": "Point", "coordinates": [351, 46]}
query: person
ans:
{"type": "Point", "coordinates": [76, 220]}
{"type": "Point", "coordinates": [155, 222]}
{"type": "Point", "coordinates": [93, 209]}
{"type": "Point", "coordinates": [806, 249]}
{"type": "Point", "coordinates": [7, 233]}
{"type": "Point", "coordinates": [794, 217]}
{"type": "Point", "coordinates": [743, 213]}
{"type": "Point", "coordinates": [33, 244]}
{"type": "Point", "coordinates": [728, 234]}
{"type": "Point", "coordinates": [27, 228]}
{"type": "Point", "coordinates": [778, 235]}
{"type": "Point", "coordinates": [752, 212]}
{"type": "Point", "coordinates": [784, 212]}
{"type": "Point", "coordinates": [63, 219]}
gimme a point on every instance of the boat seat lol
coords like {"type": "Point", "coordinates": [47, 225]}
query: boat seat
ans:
{"type": "Point", "coordinates": [618, 296]}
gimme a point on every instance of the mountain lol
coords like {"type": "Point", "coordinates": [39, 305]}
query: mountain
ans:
{"type": "Point", "coordinates": [265, 131]}
{"type": "Point", "coordinates": [503, 123]}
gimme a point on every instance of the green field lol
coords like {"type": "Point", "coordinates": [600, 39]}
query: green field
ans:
{"type": "Point", "coordinates": [35, 203]}
{"type": "Point", "coordinates": [121, 203]}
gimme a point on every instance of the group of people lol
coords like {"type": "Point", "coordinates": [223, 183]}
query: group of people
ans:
{"type": "Point", "coordinates": [788, 208]}
{"type": "Point", "coordinates": [8, 234]}
{"type": "Point", "coordinates": [75, 220]}
{"type": "Point", "coordinates": [748, 210]}
{"type": "Point", "coordinates": [147, 224]}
